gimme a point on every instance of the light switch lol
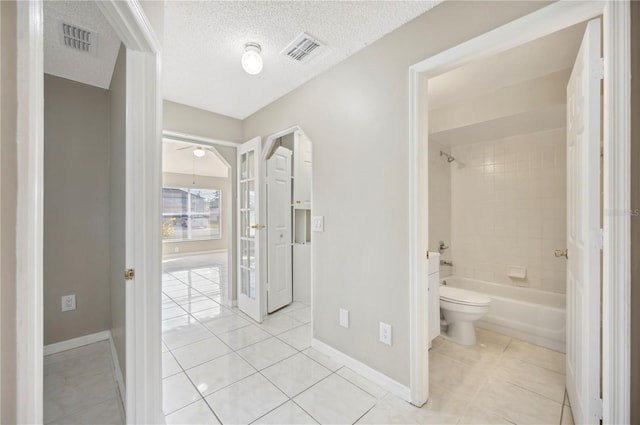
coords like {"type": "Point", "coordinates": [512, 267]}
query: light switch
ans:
{"type": "Point", "coordinates": [317, 223]}
{"type": "Point", "coordinates": [344, 318]}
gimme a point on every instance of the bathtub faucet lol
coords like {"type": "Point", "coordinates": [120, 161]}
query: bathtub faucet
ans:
{"type": "Point", "coordinates": [446, 263]}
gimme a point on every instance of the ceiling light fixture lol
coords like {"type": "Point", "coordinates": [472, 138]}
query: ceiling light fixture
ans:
{"type": "Point", "coordinates": [198, 152]}
{"type": "Point", "coordinates": [251, 59]}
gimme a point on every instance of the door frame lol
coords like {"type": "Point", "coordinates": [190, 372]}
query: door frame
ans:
{"type": "Point", "coordinates": [616, 171]}
{"type": "Point", "coordinates": [229, 226]}
{"type": "Point", "coordinates": [144, 114]}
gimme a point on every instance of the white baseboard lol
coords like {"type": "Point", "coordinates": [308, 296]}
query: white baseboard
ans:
{"type": "Point", "coordinates": [382, 380]}
{"type": "Point", "coordinates": [76, 342]}
{"type": "Point", "coordinates": [118, 372]}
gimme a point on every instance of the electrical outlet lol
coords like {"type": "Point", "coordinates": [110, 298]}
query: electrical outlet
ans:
{"type": "Point", "coordinates": [317, 223]}
{"type": "Point", "coordinates": [68, 302]}
{"type": "Point", "coordinates": [385, 333]}
{"type": "Point", "coordinates": [344, 318]}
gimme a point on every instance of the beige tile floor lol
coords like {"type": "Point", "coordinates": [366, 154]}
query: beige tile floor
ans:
{"type": "Point", "coordinates": [80, 387]}
{"type": "Point", "coordinates": [221, 367]}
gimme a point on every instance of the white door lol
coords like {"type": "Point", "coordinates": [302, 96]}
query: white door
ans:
{"type": "Point", "coordinates": [279, 234]}
{"type": "Point", "coordinates": [249, 230]}
{"type": "Point", "coordinates": [584, 237]}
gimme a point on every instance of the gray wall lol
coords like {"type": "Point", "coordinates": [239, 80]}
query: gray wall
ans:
{"type": "Point", "coordinates": [205, 182]}
{"type": "Point", "coordinates": [356, 113]}
{"type": "Point", "coordinates": [116, 154]}
{"type": "Point", "coordinates": [8, 199]}
{"type": "Point", "coordinates": [185, 119]}
{"type": "Point", "coordinates": [635, 219]}
{"type": "Point", "coordinates": [76, 213]}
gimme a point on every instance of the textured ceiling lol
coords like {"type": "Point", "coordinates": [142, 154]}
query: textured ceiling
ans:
{"type": "Point", "coordinates": [203, 43]}
{"type": "Point", "coordinates": [184, 162]}
{"type": "Point", "coordinates": [65, 62]}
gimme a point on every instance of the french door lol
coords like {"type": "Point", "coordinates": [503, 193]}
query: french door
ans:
{"type": "Point", "coordinates": [249, 230]}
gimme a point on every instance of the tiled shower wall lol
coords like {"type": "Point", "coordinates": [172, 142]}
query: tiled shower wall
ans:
{"type": "Point", "coordinates": [440, 203]}
{"type": "Point", "coordinates": [508, 207]}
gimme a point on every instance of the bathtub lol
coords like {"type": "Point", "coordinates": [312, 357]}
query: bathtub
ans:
{"type": "Point", "coordinates": [535, 316]}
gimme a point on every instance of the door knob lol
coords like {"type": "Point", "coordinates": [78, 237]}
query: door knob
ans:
{"type": "Point", "coordinates": [258, 226]}
{"type": "Point", "coordinates": [561, 253]}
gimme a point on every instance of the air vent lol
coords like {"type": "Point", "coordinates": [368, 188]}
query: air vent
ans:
{"type": "Point", "coordinates": [77, 38]}
{"type": "Point", "coordinates": [304, 48]}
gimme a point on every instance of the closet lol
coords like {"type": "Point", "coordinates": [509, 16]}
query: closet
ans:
{"type": "Point", "coordinates": [288, 179]}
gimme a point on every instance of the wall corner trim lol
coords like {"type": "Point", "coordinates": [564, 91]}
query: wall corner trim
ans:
{"type": "Point", "coordinates": [385, 382]}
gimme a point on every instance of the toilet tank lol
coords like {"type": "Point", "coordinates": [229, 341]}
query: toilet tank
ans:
{"type": "Point", "coordinates": [433, 312]}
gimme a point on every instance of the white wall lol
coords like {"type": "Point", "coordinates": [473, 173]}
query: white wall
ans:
{"type": "Point", "coordinates": [440, 203]}
{"type": "Point", "coordinates": [356, 113]}
{"type": "Point", "coordinates": [509, 208]}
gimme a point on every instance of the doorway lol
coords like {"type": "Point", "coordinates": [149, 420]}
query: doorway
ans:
{"type": "Point", "coordinates": [482, 47]}
{"type": "Point", "coordinates": [139, 140]}
{"type": "Point", "coordinates": [288, 189]}
{"type": "Point", "coordinates": [274, 224]}
{"type": "Point", "coordinates": [197, 218]}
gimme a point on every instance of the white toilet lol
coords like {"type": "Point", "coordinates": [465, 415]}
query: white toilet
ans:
{"type": "Point", "coordinates": [460, 309]}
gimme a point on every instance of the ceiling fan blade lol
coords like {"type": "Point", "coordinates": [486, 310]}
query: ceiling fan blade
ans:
{"type": "Point", "coordinates": [186, 147]}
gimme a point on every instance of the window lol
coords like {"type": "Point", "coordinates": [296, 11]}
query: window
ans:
{"type": "Point", "coordinates": [191, 214]}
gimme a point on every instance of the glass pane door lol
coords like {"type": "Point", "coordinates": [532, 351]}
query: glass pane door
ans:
{"type": "Point", "coordinates": [249, 229]}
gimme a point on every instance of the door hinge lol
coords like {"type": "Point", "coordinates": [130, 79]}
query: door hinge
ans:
{"type": "Point", "coordinates": [129, 274]}
{"type": "Point", "coordinates": [600, 407]}
{"type": "Point", "coordinates": [427, 255]}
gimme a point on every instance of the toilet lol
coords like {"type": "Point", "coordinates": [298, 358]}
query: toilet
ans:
{"type": "Point", "coordinates": [460, 309]}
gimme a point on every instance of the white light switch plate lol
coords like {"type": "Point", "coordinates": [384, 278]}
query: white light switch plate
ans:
{"type": "Point", "coordinates": [68, 302]}
{"type": "Point", "coordinates": [385, 333]}
{"type": "Point", "coordinates": [344, 318]}
{"type": "Point", "coordinates": [317, 223]}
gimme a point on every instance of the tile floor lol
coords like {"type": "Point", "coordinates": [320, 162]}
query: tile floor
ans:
{"type": "Point", "coordinates": [221, 367]}
{"type": "Point", "coordinates": [80, 387]}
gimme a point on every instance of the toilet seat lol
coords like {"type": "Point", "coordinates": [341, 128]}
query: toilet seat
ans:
{"type": "Point", "coordinates": [462, 296]}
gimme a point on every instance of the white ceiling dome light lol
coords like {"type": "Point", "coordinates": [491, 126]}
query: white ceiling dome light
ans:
{"type": "Point", "coordinates": [251, 59]}
{"type": "Point", "coordinates": [198, 152]}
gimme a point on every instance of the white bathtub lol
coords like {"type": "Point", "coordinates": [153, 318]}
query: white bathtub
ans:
{"type": "Point", "coordinates": [535, 316]}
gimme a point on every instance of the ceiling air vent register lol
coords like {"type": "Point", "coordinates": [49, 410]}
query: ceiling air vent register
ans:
{"type": "Point", "coordinates": [304, 48]}
{"type": "Point", "coordinates": [79, 39]}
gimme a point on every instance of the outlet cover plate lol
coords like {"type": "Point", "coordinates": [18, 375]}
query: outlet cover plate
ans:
{"type": "Point", "coordinates": [344, 318]}
{"type": "Point", "coordinates": [385, 333]}
{"type": "Point", "coordinates": [68, 302]}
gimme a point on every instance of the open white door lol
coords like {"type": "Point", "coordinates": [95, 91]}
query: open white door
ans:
{"type": "Point", "coordinates": [249, 231]}
{"type": "Point", "coordinates": [279, 234]}
{"type": "Point", "coordinates": [584, 236]}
